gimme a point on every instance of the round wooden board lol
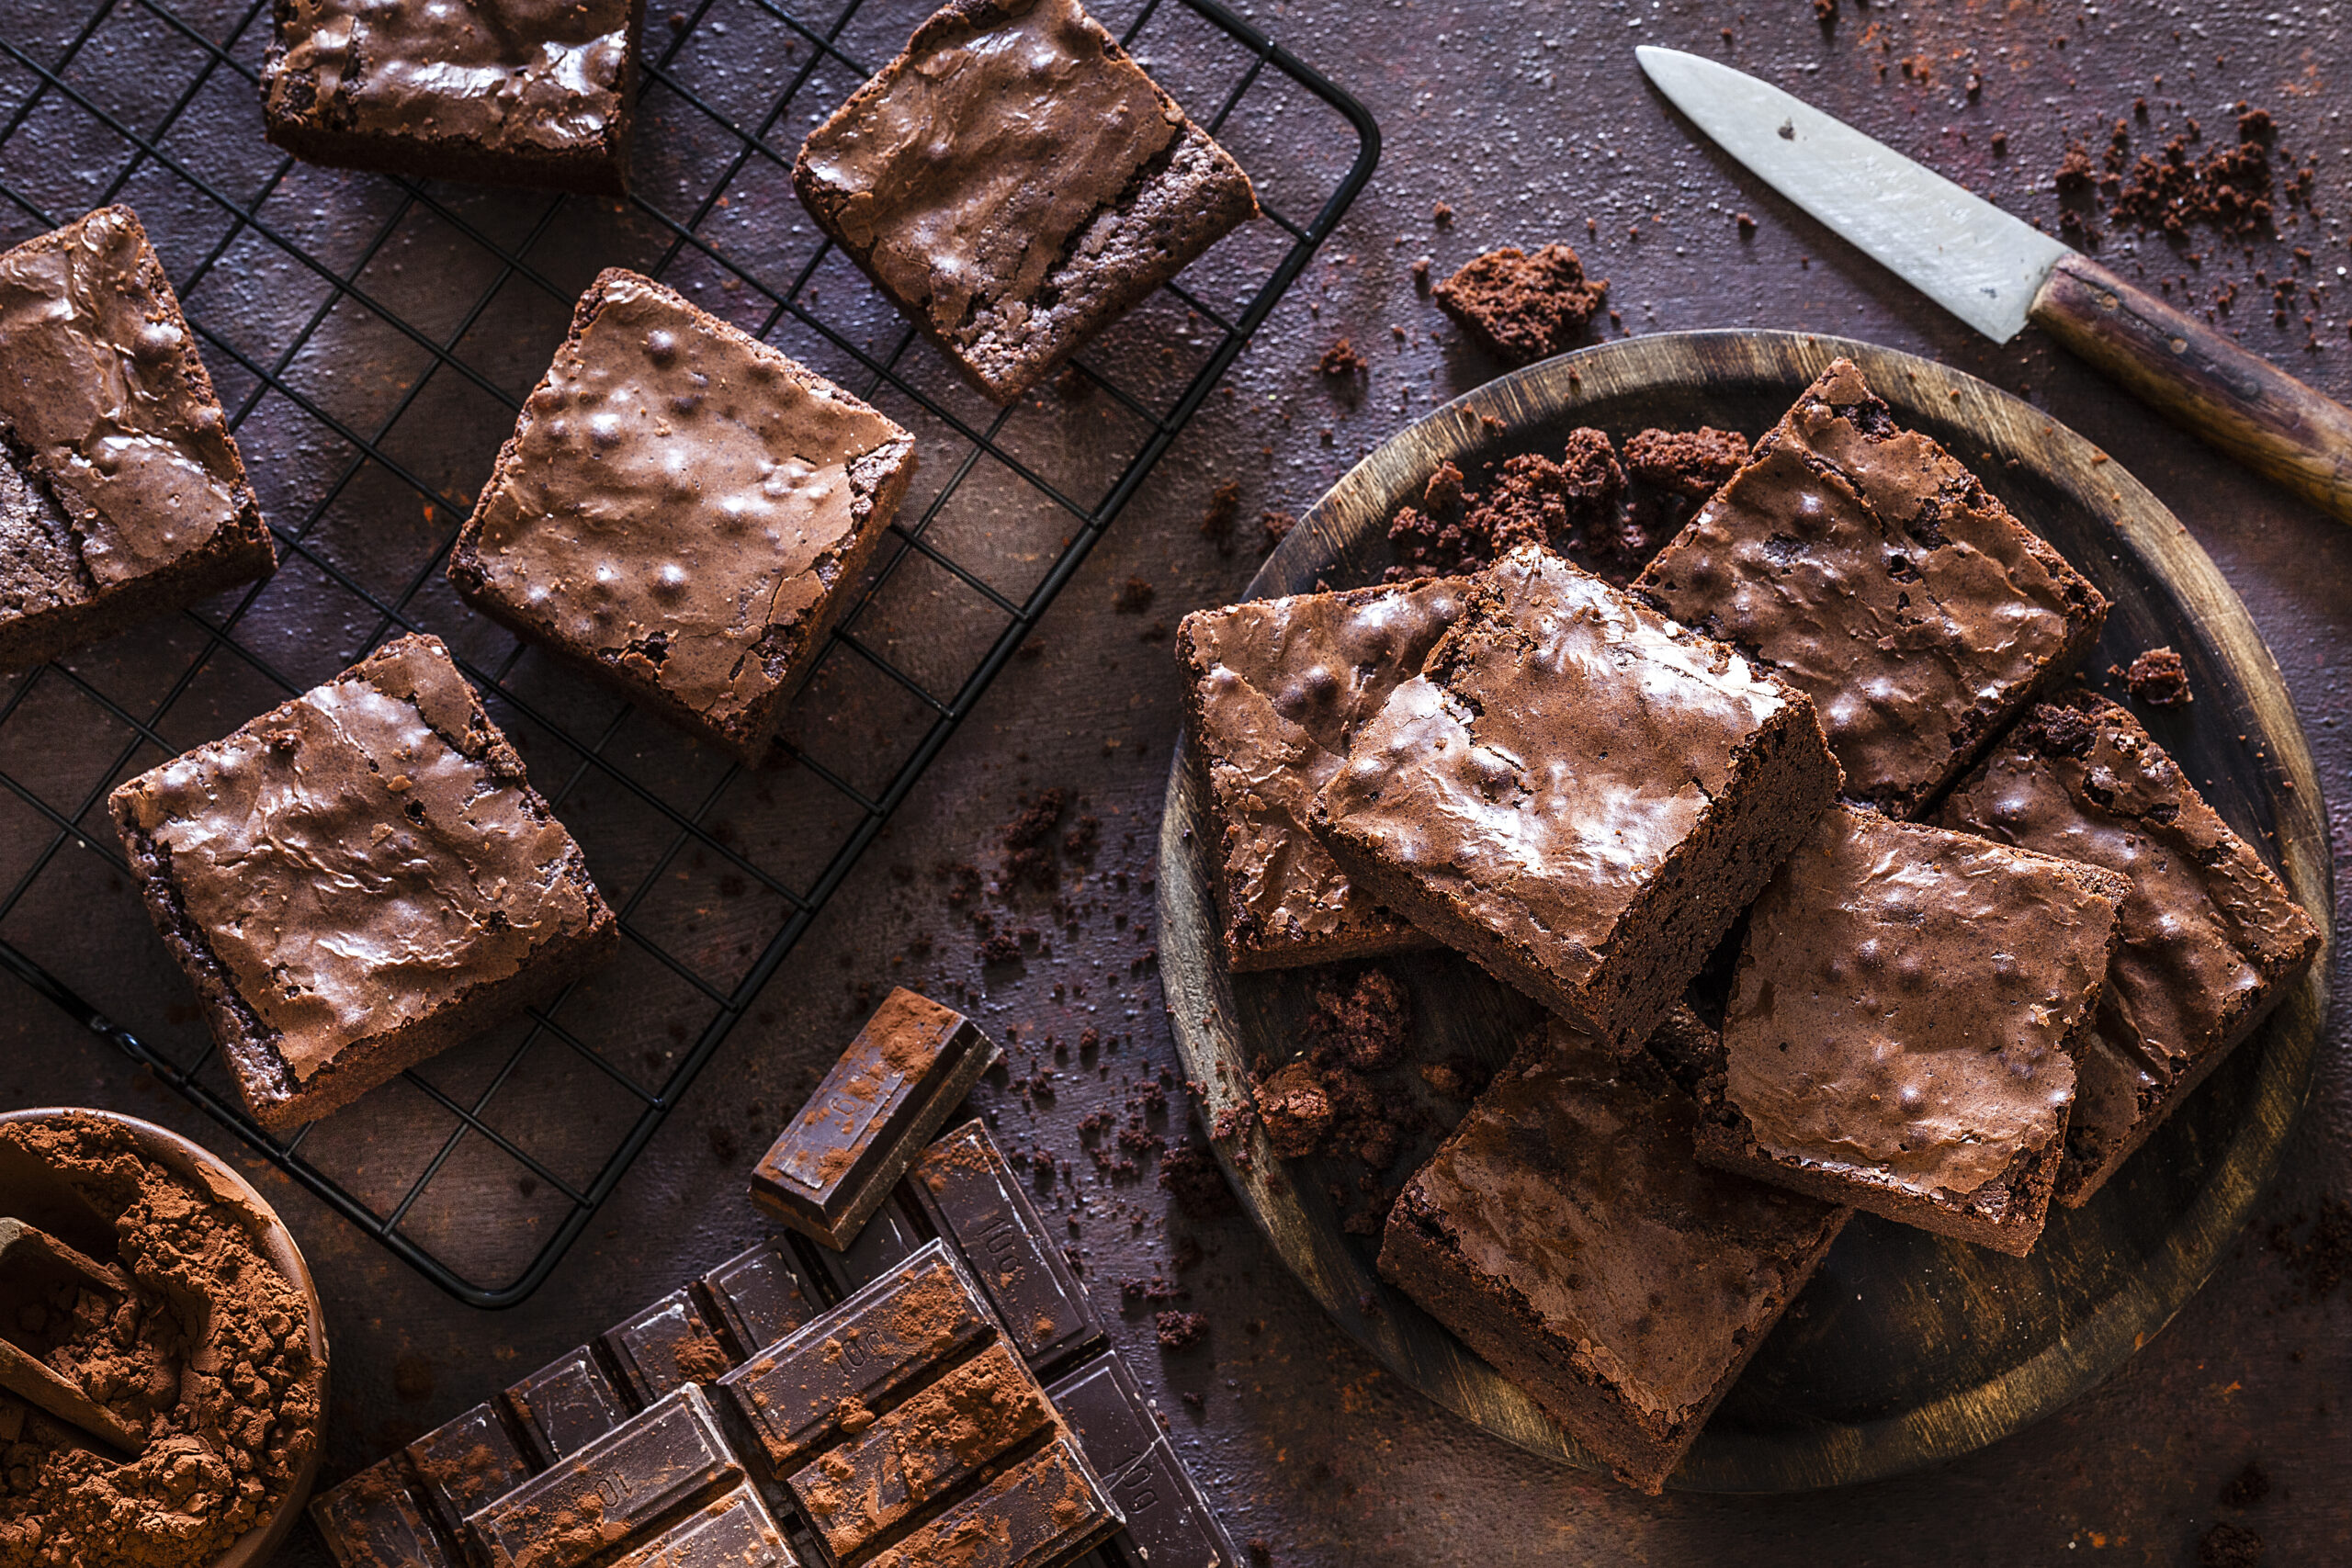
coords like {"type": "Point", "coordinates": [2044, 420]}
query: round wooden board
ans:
{"type": "Point", "coordinates": [1907, 1348]}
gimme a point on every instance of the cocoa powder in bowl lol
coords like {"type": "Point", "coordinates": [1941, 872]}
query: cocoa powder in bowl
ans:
{"type": "Point", "coordinates": [209, 1354]}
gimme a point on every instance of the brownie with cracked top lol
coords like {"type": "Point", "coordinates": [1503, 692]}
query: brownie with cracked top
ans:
{"type": "Point", "coordinates": [681, 510]}
{"type": "Point", "coordinates": [122, 495]}
{"type": "Point", "coordinates": [1904, 1022]}
{"type": "Point", "coordinates": [2211, 938]}
{"type": "Point", "coordinates": [1566, 1235]}
{"type": "Point", "coordinates": [1014, 182]}
{"type": "Point", "coordinates": [1274, 688]}
{"type": "Point", "coordinates": [358, 879]}
{"type": "Point", "coordinates": [1866, 564]}
{"type": "Point", "coordinates": [509, 92]}
{"type": "Point", "coordinates": [1576, 793]}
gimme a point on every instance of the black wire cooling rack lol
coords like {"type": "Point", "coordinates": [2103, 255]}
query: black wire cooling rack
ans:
{"type": "Point", "coordinates": [372, 338]}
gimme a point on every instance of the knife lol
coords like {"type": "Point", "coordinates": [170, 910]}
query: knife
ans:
{"type": "Point", "coordinates": [1996, 273]}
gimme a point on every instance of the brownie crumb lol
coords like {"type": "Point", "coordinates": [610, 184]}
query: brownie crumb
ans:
{"type": "Point", "coordinates": [2231, 189]}
{"type": "Point", "coordinates": [1747, 224]}
{"type": "Point", "coordinates": [1223, 511]}
{"type": "Point", "coordinates": [2159, 678]}
{"type": "Point", "coordinates": [1422, 275]}
{"type": "Point", "coordinates": [1276, 525]}
{"type": "Point", "coordinates": [1000, 947]}
{"type": "Point", "coordinates": [2249, 1486]}
{"type": "Point", "coordinates": [1691, 463]}
{"type": "Point", "coordinates": [1189, 1173]}
{"type": "Point", "coordinates": [1134, 596]}
{"type": "Point", "coordinates": [1365, 1026]}
{"type": "Point", "coordinates": [1294, 1109]}
{"type": "Point", "coordinates": [1181, 1330]}
{"type": "Point", "coordinates": [2229, 1546]}
{"type": "Point", "coordinates": [1522, 308]}
{"type": "Point", "coordinates": [1340, 362]}
{"type": "Point", "coordinates": [1441, 215]}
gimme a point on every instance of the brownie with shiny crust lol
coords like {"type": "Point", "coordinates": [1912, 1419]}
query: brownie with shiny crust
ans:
{"type": "Point", "coordinates": [358, 879]}
{"type": "Point", "coordinates": [1578, 793]}
{"type": "Point", "coordinates": [2211, 938]}
{"type": "Point", "coordinates": [1014, 182]}
{"type": "Point", "coordinates": [507, 92]}
{"type": "Point", "coordinates": [122, 495]}
{"type": "Point", "coordinates": [1273, 689]}
{"type": "Point", "coordinates": [1566, 1233]}
{"type": "Point", "coordinates": [1864, 563]}
{"type": "Point", "coordinates": [681, 510]}
{"type": "Point", "coordinates": [1904, 1022]}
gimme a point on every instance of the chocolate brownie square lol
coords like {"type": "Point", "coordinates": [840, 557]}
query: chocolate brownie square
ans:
{"type": "Point", "coordinates": [1578, 793]}
{"type": "Point", "coordinates": [1566, 1235]}
{"type": "Point", "coordinates": [2212, 938]}
{"type": "Point", "coordinates": [1904, 1022]}
{"type": "Point", "coordinates": [1274, 687]}
{"type": "Point", "coordinates": [681, 510]}
{"type": "Point", "coordinates": [507, 92]}
{"type": "Point", "coordinates": [1864, 563]}
{"type": "Point", "coordinates": [358, 879]}
{"type": "Point", "coordinates": [121, 493]}
{"type": "Point", "coordinates": [1015, 182]}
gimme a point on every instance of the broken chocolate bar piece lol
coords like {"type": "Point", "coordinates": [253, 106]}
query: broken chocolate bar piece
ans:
{"type": "Point", "coordinates": [887, 1239]}
{"type": "Point", "coordinates": [617, 1487]}
{"type": "Point", "coordinates": [892, 1090]}
{"type": "Point", "coordinates": [736, 1532]}
{"type": "Point", "coordinates": [371, 1521]}
{"type": "Point", "coordinates": [1169, 1524]}
{"type": "Point", "coordinates": [759, 1297]}
{"type": "Point", "coordinates": [801, 1393]}
{"type": "Point", "coordinates": [666, 1346]}
{"type": "Point", "coordinates": [467, 1464]}
{"type": "Point", "coordinates": [969, 1192]}
{"type": "Point", "coordinates": [1046, 1510]}
{"type": "Point", "coordinates": [564, 1407]}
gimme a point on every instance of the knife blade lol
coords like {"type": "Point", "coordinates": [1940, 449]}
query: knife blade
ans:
{"type": "Point", "coordinates": [1998, 273]}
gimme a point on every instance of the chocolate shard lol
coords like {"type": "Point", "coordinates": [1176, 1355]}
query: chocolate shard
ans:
{"type": "Point", "coordinates": [825, 1378]}
{"type": "Point", "coordinates": [666, 1346]}
{"type": "Point", "coordinates": [621, 1487]}
{"type": "Point", "coordinates": [758, 1297]}
{"type": "Point", "coordinates": [465, 1464]}
{"type": "Point", "coordinates": [892, 1090]}
{"type": "Point", "coordinates": [970, 1193]}
{"type": "Point", "coordinates": [564, 1407]}
{"type": "Point", "coordinates": [1044, 1511]}
{"type": "Point", "coordinates": [1169, 1524]}
{"type": "Point", "coordinates": [736, 1530]}
{"type": "Point", "coordinates": [372, 1521]}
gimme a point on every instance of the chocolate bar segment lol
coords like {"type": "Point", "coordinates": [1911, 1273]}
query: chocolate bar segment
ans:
{"type": "Point", "coordinates": [735, 1531]}
{"type": "Point", "coordinates": [796, 1394]}
{"type": "Point", "coordinates": [465, 1464]}
{"type": "Point", "coordinates": [1169, 1522]}
{"type": "Point", "coordinates": [889, 1239]}
{"type": "Point", "coordinates": [912, 1063]}
{"type": "Point", "coordinates": [564, 1407]}
{"type": "Point", "coordinates": [759, 1297]}
{"type": "Point", "coordinates": [1107, 1413]}
{"type": "Point", "coordinates": [1044, 1511]}
{"type": "Point", "coordinates": [667, 1346]}
{"type": "Point", "coordinates": [926, 1448]}
{"type": "Point", "coordinates": [620, 1487]}
{"type": "Point", "coordinates": [371, 1521]}
{"type": "Point", "coordinates": [971, 1194]}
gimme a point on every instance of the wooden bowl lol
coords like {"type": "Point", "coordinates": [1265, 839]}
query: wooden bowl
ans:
{"type": "Point", "coordinates": [1907, 1348]}
{"type": "Point", "coordinates": [204, 1172]}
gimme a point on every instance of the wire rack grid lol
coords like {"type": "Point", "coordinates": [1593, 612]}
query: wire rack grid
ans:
{"type": "Point", "coordinates": [372, 338]}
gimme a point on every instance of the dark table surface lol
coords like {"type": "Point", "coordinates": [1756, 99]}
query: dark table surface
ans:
{"type": "Point", "coordinates": [1530, 123]}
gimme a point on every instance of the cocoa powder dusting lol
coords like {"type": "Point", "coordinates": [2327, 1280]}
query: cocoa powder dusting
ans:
{"type": "Point", "coordinates": [209, 1354]}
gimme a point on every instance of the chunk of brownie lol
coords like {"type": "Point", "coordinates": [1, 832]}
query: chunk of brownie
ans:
{"type": "Point", "coordinates": [510, 92]}
{"type": "Point", "coordinates": [1015, 182]}
{"type": "Point", "coordinates": [1903, 1025]}
{"type": "Point", "coordinates": [358, 879]}
{"type": "Point", "coordinates": [1576, 793]}
{"type": "Point", "coordinates": [1566, 1235]}
{"type": "Point", "coordinates": [2212, 938]}
{"type": "Point", "coordinates": [1522, 308]}
{"type": "Point", "coordinates": [682, 510]}
{"type": "Point", "coordinates": [1274, 687]}
{"type": "Point", "coordinates": [2159, 677]}
{"type": "Point", "coordinates": [1862, 562]}
{"type": "Point", "coordinates": [121, 493]}
{"type": "Point", "coordinates": [1688, 463]}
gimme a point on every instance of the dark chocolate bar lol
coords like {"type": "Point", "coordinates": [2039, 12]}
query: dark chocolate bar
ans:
{"type": "Point", "coordinates": [794, 1396]}
{"type": "Point", "coordinates": [758, 1297]}
{"type": "Point", "coordinates": [889, 1239]}
{"type": "Point", "coordinates": [1045, 1510]}
{"type": "Point", "coordinates": [564, 1407]}
{"type": "Point", "coordinates": [1169, 1524]}
{"type": "Point", "coordinates": [667, 1346]}
{"type": "Point", "coordinates": [927, 1448]}
{"type": "Point", "coordinates": [465, 1464]}
{"type": "Point", "coordinates": [911, 1065]}
{"type": "Point", "coordinates": [620, 1486]}
{"type": "Point", "coordinates": [971, 1194]}
{"type": "Point", "coordinates": [736, 1530]}
{"type": "Point", "coordinates": [372, 1521]}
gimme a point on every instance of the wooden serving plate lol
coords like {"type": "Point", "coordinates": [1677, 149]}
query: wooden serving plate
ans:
{"type": "Point", "coordinates": [1907, 1348]}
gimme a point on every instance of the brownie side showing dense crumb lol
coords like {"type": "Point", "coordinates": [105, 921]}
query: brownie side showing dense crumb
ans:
{"type": "Point", "coordinates": [122, 495]}
{"type": "Point", "coordinates": [357, 880]}
{"type": "Point", "coordinates": [1519, 307]}
{"type": "Point", "coordinates": [1865, 564]}
{"type": "Point", "coordinates": [1576, 793]}
{"type": "Point", "coordinates": [1014, 182]}
{"type": "Point", "coordinates": [508, 92]}
{"type": "Point", "coordinates": [2160, 678]}
{"type": "Point", "coordinates": [1566, 1235]}
{"type": "Point", "coordinates": [1905, 1022]}
{"type": "Point", "coordinates": [681, 510]}
{"type": "Point", "coordinates": [2211, 939]}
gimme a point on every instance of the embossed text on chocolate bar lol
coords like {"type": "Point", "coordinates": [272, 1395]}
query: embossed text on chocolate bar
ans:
{"type": "Point", "coordinates": [617, 1487]}
{"type": "Point", "coordinates": [971, 1194]}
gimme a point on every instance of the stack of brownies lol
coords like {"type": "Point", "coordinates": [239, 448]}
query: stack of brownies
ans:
{"type": "Point", "coordinates": [1954, 997]}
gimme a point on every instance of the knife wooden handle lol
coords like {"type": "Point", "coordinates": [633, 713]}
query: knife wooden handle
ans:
{"type": "Point", "coordinates": [2244, 405]}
